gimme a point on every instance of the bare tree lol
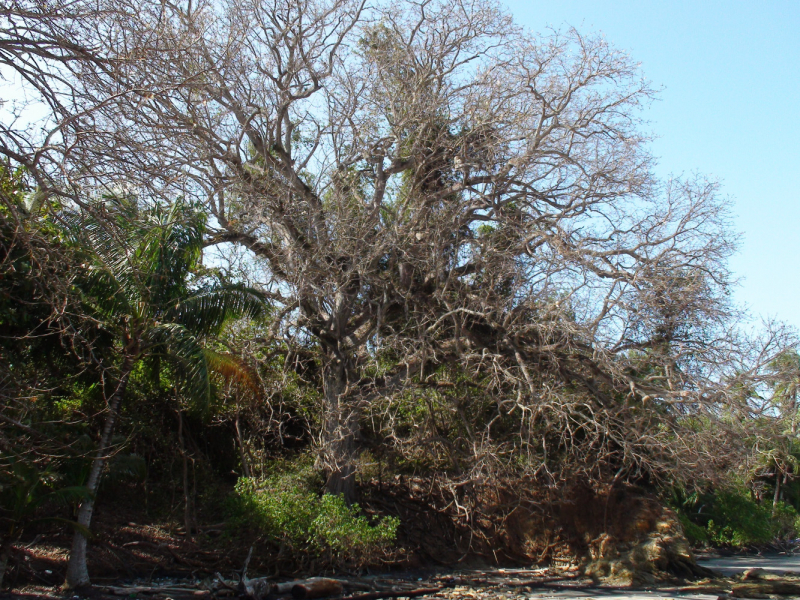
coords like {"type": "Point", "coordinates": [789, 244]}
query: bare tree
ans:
{"type": "Point", "coordinates": [43, 46]}
{"type": "Point", "coordinates": [425, 186]}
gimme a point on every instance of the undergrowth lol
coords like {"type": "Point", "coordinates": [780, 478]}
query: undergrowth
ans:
{"type": "Point", "coordinates": [286, 508]}
{"type": "Point", "coordinates": [732, 517]}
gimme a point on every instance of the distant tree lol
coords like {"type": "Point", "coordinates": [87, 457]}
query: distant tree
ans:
{"type": "Point", "coordinates": [785, 371]}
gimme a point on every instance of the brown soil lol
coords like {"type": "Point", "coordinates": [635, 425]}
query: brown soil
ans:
{"type": "Point", "coordinates": [624, 536]}
{"type": "Point", "coordinates": [123, 546]}
{"type": "Point", "coordinates": [441, 524]}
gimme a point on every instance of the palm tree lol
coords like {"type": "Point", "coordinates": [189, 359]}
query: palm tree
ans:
{"type": "Point", "coordinates": [137, 285]}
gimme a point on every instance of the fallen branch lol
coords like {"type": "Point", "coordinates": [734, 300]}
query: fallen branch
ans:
{"type": "Point", "coordinates": [394, 594]}
{"type": "Point", "coordinates": [765, 589]}
{"type": "Point", "coordinates": [127, 591]}
{"type": "Point", "coordinates": [316, 587]}
{"type": "Point", "coordinates": [258, 588]}
{"type": "Point", "coordinates": [225, 583]}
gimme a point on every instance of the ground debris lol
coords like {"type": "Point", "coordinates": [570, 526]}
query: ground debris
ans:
{"type": "Point", "coordinates": [466, 584]}
{"type": "Point", "coordinates": [157, 591]}
{"type": "Point", "coordinates": [758, 583]}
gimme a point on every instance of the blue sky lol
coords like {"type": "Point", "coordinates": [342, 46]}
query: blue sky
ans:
{"type": "Point", "coordinates": [729, 108]}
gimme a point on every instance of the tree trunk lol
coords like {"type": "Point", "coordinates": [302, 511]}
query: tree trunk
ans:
{"type": "Point", "coordinates": [339, 432]}
{"type": "Point", "coordinates": [188, 495]}
{"type": "Point", "coordinates": [776, 498]}
{"type": "Point", "coordinates": [77, 571]}
{"type": "Point", "coordinates": [242, 452]}
{"type": "Point", "coordinates": [5, 553]}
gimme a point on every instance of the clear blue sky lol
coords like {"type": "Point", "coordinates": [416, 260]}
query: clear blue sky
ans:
{"type": "Point", "coordinates": [730, 108]}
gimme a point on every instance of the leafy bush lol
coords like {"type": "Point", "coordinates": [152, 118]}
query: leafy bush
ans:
{"type": "Point", "coordinates": [286, 509]}
{"type": "Point", "coordinates": [694, 533]}
{"type": "Point", "coordinates": [344, 531]}
{"type": "Point", "coordinates": [786, 521]}
{"type": "Point", "coordinates": [733, 517]}
{"type": "Point", "coordinates": [739, 520]}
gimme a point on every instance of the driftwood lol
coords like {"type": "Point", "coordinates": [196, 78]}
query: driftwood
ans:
{"type": "Point", "coordinates": [256, 589]}
{"type": "Point", "coordinates": [378, 595]}
{"type": "Point", "coordinates": [316, 587]}
{"type": "Point", "coordinates": [765, 589]}
{"type": "Point", "coordinates": [224, 583]}
{"type": "Point", "coordinates": [127, 591]}
{"type": "Point", "coordinates": [758, 583]}
{"type": "Point", "coordinates": [261, 588]}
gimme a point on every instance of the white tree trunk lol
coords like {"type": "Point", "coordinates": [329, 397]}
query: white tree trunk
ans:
{"type": "Point", "coordinates": [77, 571]}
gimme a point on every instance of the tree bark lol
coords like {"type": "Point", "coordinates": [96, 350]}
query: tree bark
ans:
{"type": "Point", "coordinates": [5, 553]}
{"type": "Point", "coordinates": [339, 432]}
{"type": "Point", "coordinates": [242, 452]}
{"type": "Point", "coordinates": [776, 498]}
{"type": "Point", "coordinates": [188, 495]}
{"type": "Point", "coordinates": [77, 571]}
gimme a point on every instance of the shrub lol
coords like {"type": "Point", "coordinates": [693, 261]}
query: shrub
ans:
{"type": "Point", "coordinates": [786, 521]}
{"type": "Point", "coordinates": [739, 520]}
{"type": "Point", "coordinates": [345, 532]}
{"type": "Point", "coordinates": [285, 509]}
{"type": "Point", "coordinates": [694, 533]}
{"type": "Point", "coordinates": [731, 516]}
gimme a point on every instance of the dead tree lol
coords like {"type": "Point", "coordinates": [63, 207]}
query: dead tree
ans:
{"type": "Point", "coordinates": [424, 185]}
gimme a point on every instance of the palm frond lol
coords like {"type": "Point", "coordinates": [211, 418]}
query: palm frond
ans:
{"type": "Point", "coordinates": [182, 348]}
{"type": "Point", "coordinates": [140, 260]}
{"type": "Point", "coordinates": [233, 370]}
{"type": "Point", "coordinates": [104, 292]}
{"type": "Point", "coordinates": [206, 311]}
{"type": "Point", "coordinates": [106, 246]}
{"type": "Point", "coordinates": [69, 495]}
{"type": "Point", "coordinates": [171, 249]}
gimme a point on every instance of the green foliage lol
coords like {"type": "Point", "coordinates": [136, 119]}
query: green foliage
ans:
{"type": "Point", "coordinates": [286, 508]}
{"type": "Point", "coordinates": [345, 531]}
{"type": "Point", "coordinates": [739, 520]}
{"type": "Point", "coordinates": [732, 517]}
{"type": "Point", "coordinates": [786, 521]}
{"type": "Point", "coordinates": [140, 283]}
{"type": "Point", "coordinates": [24, 488]}
{"type": "Point", "coordinates": [694, 533]}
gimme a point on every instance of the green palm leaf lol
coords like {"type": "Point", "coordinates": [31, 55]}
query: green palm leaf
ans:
{"type": "Point", "coordinates": [140, 264]}
{"type": "Point", "coordinates": [206, 311]}
{"type": "Point", "coordinates": [104, 293]}
{"type": "Point", "coordinates": [181, 347]}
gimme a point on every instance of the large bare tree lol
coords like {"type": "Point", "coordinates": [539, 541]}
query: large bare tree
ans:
{"type": "Point", "coordinates": [43, 46]}
{"type": "Point", "coordinates": [425, 185]}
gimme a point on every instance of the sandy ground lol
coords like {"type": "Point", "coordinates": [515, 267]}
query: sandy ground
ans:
{"type": "Point", "coordinates": [559, 588]}
{"type": "Point", "coordinates": [727, 565]}
{"type": "Point", "coordinates": [732, 565]}
{"type": "Point", "coordinates": [621, 595]}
